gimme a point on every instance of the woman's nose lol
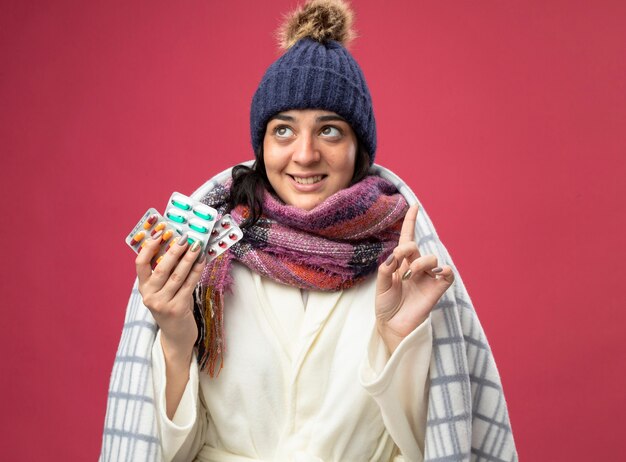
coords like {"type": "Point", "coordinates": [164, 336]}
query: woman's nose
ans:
{"type": "Point", "coordinates": [306, 151]}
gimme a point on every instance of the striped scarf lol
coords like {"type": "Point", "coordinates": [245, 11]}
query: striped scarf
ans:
{"type": "Point", "coordinates": [332, 247]}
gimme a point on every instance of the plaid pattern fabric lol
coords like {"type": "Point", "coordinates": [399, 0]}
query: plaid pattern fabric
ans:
{"type": "Point", "coordinates": [467, 413]}
{"type": "Point", "coordinates": [130, 426]}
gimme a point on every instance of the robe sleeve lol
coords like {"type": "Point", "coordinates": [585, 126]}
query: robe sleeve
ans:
{"type": "Point", "coordinates": [399, 384]}
{"type": "Point", "coordinates": [183, 436]}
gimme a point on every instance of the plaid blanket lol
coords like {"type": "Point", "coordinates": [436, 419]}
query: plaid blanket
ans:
{"type": "Point", "coordinates": [467, 413]}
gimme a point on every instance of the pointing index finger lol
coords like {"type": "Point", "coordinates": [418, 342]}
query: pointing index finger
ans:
{"type": "Point", "coordinates": [408, 226]}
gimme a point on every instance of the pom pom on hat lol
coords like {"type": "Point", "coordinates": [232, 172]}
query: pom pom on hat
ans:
{"type": "Point", "coordinates": [316, 72]}
{"type": "Point", "coordinates": [320, 20]}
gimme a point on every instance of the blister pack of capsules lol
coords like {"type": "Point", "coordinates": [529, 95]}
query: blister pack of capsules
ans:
{"type": "Point", "coordinates": [184, 215]}
{"type": "Point", "coordinates": [191, 217]}
{"type": "Point", "coordinates": [224, 235]}
{"type": "Point", "coordinates": [151, 223]}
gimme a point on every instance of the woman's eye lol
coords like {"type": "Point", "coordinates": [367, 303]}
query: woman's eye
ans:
{"type": "Point", "coordinates": [331, 131]}
{"type": "Point", "coordinates": [283, 132]}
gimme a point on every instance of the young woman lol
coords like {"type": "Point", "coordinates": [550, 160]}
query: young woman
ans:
{"type": "Point", "coordinates": [315, 339]}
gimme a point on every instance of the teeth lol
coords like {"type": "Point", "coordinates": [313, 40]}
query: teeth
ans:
{"type": "Point", "coordinates": [309, 180]}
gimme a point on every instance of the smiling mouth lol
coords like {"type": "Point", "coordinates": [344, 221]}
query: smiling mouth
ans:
{"type": "Point", "coordinates": [307, 180]}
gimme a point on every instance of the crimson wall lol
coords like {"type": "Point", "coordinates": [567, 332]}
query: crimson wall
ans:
{"type": "Point", "coordinates": [507, 118]}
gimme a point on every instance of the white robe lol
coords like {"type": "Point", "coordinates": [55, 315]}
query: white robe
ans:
{"type": "Point", "coordinates": [304, 385]}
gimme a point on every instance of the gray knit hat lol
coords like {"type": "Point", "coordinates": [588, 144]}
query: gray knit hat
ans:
{"type": "Point", "coordinates": [316, 72]}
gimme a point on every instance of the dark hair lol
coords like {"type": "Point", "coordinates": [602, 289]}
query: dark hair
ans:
{"type": "Point", "coordinates": [249, 182]}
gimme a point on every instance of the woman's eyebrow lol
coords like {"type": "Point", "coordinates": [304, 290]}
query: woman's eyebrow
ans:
{"type": "Point", "coordinates": [322, 118]}
{"type": "Point", "coordinates": [283, 117]}
{"type": "Point", "coordinates": [331, 117]}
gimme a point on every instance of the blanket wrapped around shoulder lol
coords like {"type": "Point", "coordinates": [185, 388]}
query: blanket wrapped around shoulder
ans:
{"type": "Point", "coordinates": [467, 413]}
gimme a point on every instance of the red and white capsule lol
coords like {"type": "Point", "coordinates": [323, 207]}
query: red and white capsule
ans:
{"type": "Point", "coordinates": [158, 228]}
{"type": "Point", "coordinates": [150, 222]}
{"type": "Point", "coordinates": [137, 238]}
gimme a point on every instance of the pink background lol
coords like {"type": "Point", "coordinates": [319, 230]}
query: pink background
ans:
{"type": "Point", "coordinates": [507, 118]}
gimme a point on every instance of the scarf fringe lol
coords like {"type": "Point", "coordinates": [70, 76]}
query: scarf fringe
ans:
{"type": "Point", "coordinates": [209, 314]}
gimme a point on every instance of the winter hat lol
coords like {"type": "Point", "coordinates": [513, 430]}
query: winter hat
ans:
{"type": "Point", "coordinates": [316, 72]}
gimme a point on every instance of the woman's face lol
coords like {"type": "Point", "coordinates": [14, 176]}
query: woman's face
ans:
{"type": "Point", "coordinates": [309, 155]}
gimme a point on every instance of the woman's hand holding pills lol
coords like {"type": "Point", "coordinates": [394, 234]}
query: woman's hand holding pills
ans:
{"type": "Point", "coordinates": [168, 292]}
{"type": "Point", "coordinates": [408, 286]}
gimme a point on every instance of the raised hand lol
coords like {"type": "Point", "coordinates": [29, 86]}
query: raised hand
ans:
{"type": "Point", "coordinates": [168, 292]}
{"type": "Point", "coordinates": [408, 286]}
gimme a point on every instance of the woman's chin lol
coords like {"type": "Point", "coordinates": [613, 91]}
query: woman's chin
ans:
{"type": "Point", "coordinates": [306, 203]}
